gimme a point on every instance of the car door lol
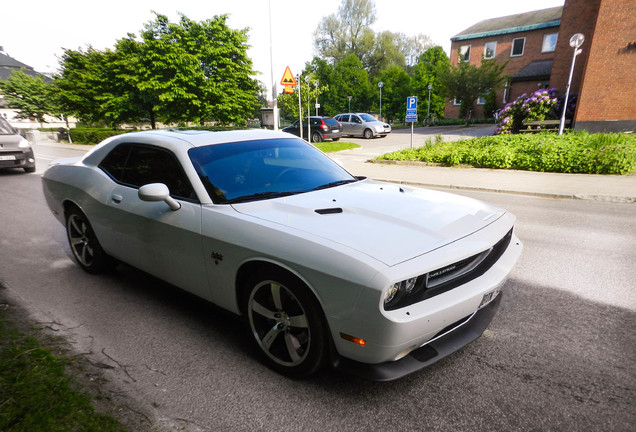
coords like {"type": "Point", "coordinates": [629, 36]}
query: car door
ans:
{"type": "Point", "coordinates": [344, 121]}
{"type": "Point", "coordinates": [149, 235]}
{"type": "Point", "coordinates": [356, 126]}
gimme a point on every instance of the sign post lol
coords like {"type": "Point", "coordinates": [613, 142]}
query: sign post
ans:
{"type": "Point", "coordinates": [411, 113]}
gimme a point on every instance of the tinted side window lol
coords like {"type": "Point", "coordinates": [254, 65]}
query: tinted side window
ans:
{"type": "Point", "coordinates": [138, 165]}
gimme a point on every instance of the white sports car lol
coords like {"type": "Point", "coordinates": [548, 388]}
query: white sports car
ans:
{"type": "Point", "coordinates": [374, 278]}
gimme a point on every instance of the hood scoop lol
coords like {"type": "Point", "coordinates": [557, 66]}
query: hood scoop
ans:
{"type": "Point", "coordinates": [326, 211]}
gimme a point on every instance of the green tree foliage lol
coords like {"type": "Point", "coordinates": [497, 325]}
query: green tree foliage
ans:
{"type": "Point", "coordinates": [173, 72]}
{"type": "Point", "coordinates": [426, 72]}
{"type": "Point", "coordinates": [347, 31]}
{"type": "Point", "coordinates": [397, 87]}
{"type": "Point", "coordinates": [467, 82]}
{"type": "Point", "coordinates": [31, 96]}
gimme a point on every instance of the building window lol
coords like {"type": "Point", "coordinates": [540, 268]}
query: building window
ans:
{"type": "Point", "coordinates": [490, 50]}
{"type": "Point", "coordinates": [464, 53]}
{"type": "Point", "coordinates": [517, 47]}
{"type": "Point", "coordinates": [481, 100]}
{"type": "Point", "coordinates": [549, 42]}
{"type": "Point", "coordinates": [457, 102]}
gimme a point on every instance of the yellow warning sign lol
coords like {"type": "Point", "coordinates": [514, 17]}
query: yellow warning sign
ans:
{"type": "Point", "coordinates": [288, 78]}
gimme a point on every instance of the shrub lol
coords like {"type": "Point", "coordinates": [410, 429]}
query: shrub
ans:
{"type": "Point", "coordinates": [573, 152]}
{"type": "Point", "coordinates": [526, 108]}
{"type": "Point", "coordinates": [92, 135]}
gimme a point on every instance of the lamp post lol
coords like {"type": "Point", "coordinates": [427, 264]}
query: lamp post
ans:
{"type": "Point", "coordinates": [380, 85]}
{"type": "Point", "coordinates": [349, 97]}
{"type": "Point", "coordinates": [428, 110]}
{"type": "Point", "coordinates": [308, 111]}
{"type": "Point", "coordinates": [575, 42]}
{"type": "Point", "coordinates": [317, 106]}
{"type": "Point", "coordinates": [271, 64]}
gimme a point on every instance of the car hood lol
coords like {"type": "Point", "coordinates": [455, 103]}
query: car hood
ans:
{"type": "Point", "coordinates": [388, 222]}
{"type": "Point", "coordinates": [10, 141]}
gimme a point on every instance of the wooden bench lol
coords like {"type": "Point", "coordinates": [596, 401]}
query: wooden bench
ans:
{"type": "Point", "coordinates": [531, 126]}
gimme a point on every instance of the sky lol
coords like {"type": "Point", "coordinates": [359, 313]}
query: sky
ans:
{"type": "Point", "coordinates": [35, 32]}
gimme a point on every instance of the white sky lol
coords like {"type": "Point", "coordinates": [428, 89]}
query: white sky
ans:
{"type": "Point", "coordinates": [35, 31]}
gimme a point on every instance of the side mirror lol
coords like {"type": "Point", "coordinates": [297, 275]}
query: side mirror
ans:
{"type": "Point", "coordinates": [154, 192]}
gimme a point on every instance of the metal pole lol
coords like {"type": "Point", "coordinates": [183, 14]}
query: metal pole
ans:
{"type": "Point", "coordinates": [308, 111]}
{"type": "Point", "coordinates": [271, 63]}
{"type": "Point", "coordinates": [380, 84]}
{"type": "Point", "coordinates": [428, 111]}
{"type": "Point", "coordinates": [300, 111]}
{"type": "Point", "coordinates": [567, 91]}
{"type": "Point", "coordinates": [576, 41]}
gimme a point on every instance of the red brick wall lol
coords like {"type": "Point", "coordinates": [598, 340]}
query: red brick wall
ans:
{"type": "Point", "coordinates": [609, 86]}
{"type": "Point", "coordinates": [579, 16]}
{"type": "Point", "coordinates": [531, 52]}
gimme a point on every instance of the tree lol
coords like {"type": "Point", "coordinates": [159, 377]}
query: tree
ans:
{"type": "Point", "coordinates": [425, 72]}
{"type": "Point", "coordinates": [31, 96]}
{"type": "Point", "coordinates": [466, 82]}
{"type": "Point", "coordinates": [346, 32]}
{"type": "Point", "coordinates": [397, 87]}
{"type": "Point", "coordinates": [190, 71]}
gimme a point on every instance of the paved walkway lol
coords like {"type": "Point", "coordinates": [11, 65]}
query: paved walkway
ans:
{"type": "Point", "coordinates": [583, 186]}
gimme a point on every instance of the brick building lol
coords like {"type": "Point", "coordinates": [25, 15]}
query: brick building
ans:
{"type": "Point", "coordinates": [536, 46]}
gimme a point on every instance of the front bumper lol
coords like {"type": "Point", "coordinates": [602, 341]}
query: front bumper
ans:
{"type": "Point", "coordinates": [19, 158]}
{"type": "Point", "coordinates": [427, 354]}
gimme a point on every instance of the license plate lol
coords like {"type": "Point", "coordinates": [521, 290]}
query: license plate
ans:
{"type": "Point", "coordinates": [336, 130]}
{"type": "Point", "coordinates": [488, 297]}
{"type": "Point", "coordinates": [10, 157]}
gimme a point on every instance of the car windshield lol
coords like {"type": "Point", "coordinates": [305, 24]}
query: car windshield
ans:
{"type": "Point", "coordinates": [367, 117]}
{"type": "Point", "coordinates": [263, 169]}
{"type": "Point", "coordinates": [6, 128]}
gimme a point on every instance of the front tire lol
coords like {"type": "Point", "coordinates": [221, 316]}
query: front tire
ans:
{"type": "Point", "coordinates": [368, 134]}
{"type": "Point", "coordinates": [285, 323]}
{"type": "Point", "coordinates": [86, 249]}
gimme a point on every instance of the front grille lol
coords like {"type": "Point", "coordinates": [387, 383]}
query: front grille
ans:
{"type": "Point", "coordinates": [446, 278]}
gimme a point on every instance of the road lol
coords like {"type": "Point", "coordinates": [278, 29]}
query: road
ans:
{"type": "Point", "coordinates": [558, 356]}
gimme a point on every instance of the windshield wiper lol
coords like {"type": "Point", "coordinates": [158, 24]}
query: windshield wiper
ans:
{"type": "Point", "coordinates": [258, 196]}
{"type": "Point", "coordinates": [334, 184]}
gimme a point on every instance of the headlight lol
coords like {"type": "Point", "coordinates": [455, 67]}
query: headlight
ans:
{"type": "Point", "coordinates": [23, 143]}
{"type": "Point", "coordinates": [401, 290]}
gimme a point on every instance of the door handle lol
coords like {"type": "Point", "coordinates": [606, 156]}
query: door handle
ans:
{"type": "Point", "coordinates": [117, 199]}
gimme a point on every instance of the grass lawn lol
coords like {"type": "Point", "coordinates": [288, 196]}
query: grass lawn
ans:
{"type": "Point", "coordinates": [36, 392]}
{"type": "Point", "coordinates": [330, 146]}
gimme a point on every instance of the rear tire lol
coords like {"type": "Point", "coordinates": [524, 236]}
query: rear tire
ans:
{"type": "Point", "coordinates": [316, 137]}
{"type": "Point", "coordinates": [86, 249]}
{"type": "Point", "coordinates": [285, 322]}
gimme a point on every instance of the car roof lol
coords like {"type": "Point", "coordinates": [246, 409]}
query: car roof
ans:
{"type": "Point", "coordinates": [182, 140]}
{"type": "Point", "coordinates": [198, 137]}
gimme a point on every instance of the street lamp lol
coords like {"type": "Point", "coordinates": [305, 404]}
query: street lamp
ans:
{"type": "Point", "coordinates": [428, 111]}
{"type": "Point", "coordinates": [380, 85]}
{"type": "Point", "coordinates": [575, 42]}
{"type": "Point", "coordinates": [317, 106]}
{"type": "Point", "coordinates": [349, 97]}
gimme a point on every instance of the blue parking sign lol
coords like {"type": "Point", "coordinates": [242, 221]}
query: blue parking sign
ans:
{"type": "Point", "coordinates": [411, 109]}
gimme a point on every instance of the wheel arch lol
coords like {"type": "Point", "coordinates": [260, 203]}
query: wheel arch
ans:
{"type": "Point", "coordinates": [250, 267]}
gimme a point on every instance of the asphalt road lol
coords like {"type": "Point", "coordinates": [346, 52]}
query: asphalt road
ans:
{"type": "Point", "coordinates": [560, 354]}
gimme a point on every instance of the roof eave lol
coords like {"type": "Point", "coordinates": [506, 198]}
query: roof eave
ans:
{"type": "Point", "coordinates": [519, 29]}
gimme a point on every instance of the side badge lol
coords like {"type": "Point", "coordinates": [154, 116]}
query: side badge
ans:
{"type": "Point", "coordinates": [216, 257]}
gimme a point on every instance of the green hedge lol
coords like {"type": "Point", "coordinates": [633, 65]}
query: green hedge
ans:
{"type": "Point", "coordinates": [93, 135]}
{"type": "Point", "coordinates": [575, 152]}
